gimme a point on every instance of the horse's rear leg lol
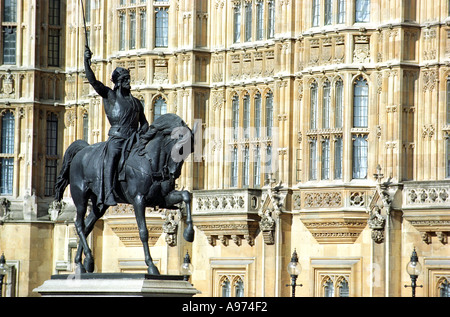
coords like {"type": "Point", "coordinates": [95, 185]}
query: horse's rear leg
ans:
{"type": "Point", "coordinates": [139, 210]}
{"type": "Point", "coordinates": [81, 206]}
{"type": "Point", "coordinates": [89, 223]}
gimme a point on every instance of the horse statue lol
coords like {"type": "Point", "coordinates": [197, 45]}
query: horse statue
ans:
{"type": "Point", "coordinates": [147, 173]}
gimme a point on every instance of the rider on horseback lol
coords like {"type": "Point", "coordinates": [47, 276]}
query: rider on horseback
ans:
{"type": "Point", "coordinates": [125, 115]}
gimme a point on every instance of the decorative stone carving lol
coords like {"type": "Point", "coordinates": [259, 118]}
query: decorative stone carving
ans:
{"type": "Point", "coordinates": [323, 200]}
{"type": "Point", "coordinates": [55, 209]}
{"type": "Point", "coordinates": [376, 222]}
{"type": "Point", "coordinates": [357, 199]}
{"type": "Point", "coordinates": [226, 215]}
{"type": "Point", "coordinates": [5, 205]}
{"type": "Point", "coordinates": [335, 230]}
{"type": "Point", "coordinates": [170, 227]}
{"type": "Point", "coordinates": [161, 72]}
{"type": "Point", "coordinates": [121, 220]}
{"type": "Point", "coordinates": [426, 206]}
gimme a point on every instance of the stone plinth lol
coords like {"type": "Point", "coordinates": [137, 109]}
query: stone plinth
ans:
{"type": "Point", "coordinates": [116, 284]}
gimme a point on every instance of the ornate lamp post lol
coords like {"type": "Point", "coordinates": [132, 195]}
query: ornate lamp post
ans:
{"type": "Point", "coordinates": [3, 271]}
{"type": "Point", "coordinates": [187, 267]}
{"type": "Point", "coordinates": [294, 269]}
{"type": "Point", "coordinates": [414, 268]}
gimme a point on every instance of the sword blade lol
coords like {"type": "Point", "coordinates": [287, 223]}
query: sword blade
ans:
{"type": "Point", "coordinates": [84, 20]}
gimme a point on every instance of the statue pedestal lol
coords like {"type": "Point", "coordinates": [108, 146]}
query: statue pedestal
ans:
{"type": "Point", "coordinates": [116, 284]}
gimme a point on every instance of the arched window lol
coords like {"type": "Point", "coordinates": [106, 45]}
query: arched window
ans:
{"type": "Point", "coordinates": [343, 288]}
{"type": "Point", "coordinates": [237, 24]}
{"type": "Point", "coordinates": [160, 107]}
{"type": "Point", "coordinates": [226, 287]}
{"type": "Point", "coordinates": [339, 104]}
{"type": "Point", "coordinates": [7, 145]}
{"type": "Point", "coordinates": [162, 27]}
{"type": "Point", "coordinates": [326, 105]}
{"type": "Point", "coordinates": [271, 22]}
{"type": "Point", "coordinates": [325, 172]}
{"type": "Point", "coordinates": [248, 21]}
{"type": "Point", "coordinates": [239, 287]}
{"type": "Point", "coordinates": [360, 103]}
{"type": "Point", "coordinates": [234, 167]}
{"type": "Point", "coordinates": [246, 116]}
{"type": "Point", "coordinates": [314, 104]}
{"type": "Point", "coordinates": [444, 288]}
{"type": "Point", "coordinates": [7, 151]}
{"type": "Point", "coordinates": [235, 118]}
{"type": "Point", "coordinates": [51, 154]}
{"type": "Point", "coordinates": [258, 115]}
{"type": "Point", "coordinates": [328, 288]}
{"type": "Point", "coordinates": [246, 168]}
{"type": "Point", "coordinates": [269, 114]}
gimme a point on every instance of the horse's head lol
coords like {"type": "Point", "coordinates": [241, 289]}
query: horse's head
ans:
{"type": "Point", "coordinates": [182, 140]}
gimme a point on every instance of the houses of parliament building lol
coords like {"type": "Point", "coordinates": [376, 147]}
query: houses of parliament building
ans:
{"type": "Point", "coordinates": [324, 130]}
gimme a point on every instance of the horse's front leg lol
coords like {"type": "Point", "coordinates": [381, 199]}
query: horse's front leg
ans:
{"type": "Point", "coordinates": [176, 197]}
{"type": "Point", "coordinates": [139, 210]}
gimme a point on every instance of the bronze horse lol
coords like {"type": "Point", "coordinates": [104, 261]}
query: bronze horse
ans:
{"type": "Point", "coordinates": [147, 179]}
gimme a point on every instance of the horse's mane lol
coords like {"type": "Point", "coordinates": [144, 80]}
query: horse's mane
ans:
{"type": "Point", "coordinates": [165, 125]}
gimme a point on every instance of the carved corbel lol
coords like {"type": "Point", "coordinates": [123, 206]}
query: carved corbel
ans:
{"type": "Point", "coordinates": [426, 237]}
{"type": "Point", "coordinates": [377, 222]}
{"type": "Point", "coordinates": [170, 228]}
{"type": "Point", "coordinates": [267, 226]}
{"type": "Point", "coordinates": [442, 236]}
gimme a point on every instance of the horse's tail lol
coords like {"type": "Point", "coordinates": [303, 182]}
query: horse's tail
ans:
{"type": "Point", "coordinates": [63, 179]}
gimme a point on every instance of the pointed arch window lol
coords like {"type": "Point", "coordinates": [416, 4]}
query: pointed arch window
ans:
{"type": "Point", "coordinates": [226, 287]}
{"type": "Point", "coordinates": [246, 116]}
{"type": "Point", "coordinates": [328, 288]}
{"type": "Point", "coordinates": [360, 103]}
{"type": "Point", "coordinates": [235, 118]}
{"type": "Point", "coordinates": [160, 107]}
{"type": "Point", "coordinates": [314, 105]}
{"type": "Point", "coordinates": [162, 27]}
{"type": "Point", "coordinates": [343, 287]}
{"type": "Point", "coordinates": [234, 167]}
{"type": "Point", "coordinates": [339, 104]}
{"type": "Point", "coordinates": [51, 154]}
{"type": "Point", "coordinates": [271, 20]}
{"type": "Point", "coordinates": [326, 105]}
{"type": "Point", "coordinates": [237, 24]}
{"type": "Point", "coordinates": [269, 114]}
{"type": "Point", "coordinates": [258, 115]}
{"type": "Point", "coordinates": [444, 288]}
{"type": "Point", "coordinates": [239, 287]}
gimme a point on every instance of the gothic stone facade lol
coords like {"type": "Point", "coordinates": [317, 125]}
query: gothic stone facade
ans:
{"type": "Point", "coordinates": [325, 129]}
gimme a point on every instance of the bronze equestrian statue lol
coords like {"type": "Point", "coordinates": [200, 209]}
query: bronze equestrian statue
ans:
{"type": "Point", "coordinates": [137, 165]}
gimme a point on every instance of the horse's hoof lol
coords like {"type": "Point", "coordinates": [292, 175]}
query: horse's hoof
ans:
{"type": "Point", "coordinates": [189, 234]}
{"type": "Point", "coordinates": [79, 269]}
{"type": "Point", "coordinates": [153, 270]}
{"type": "Point", "coordinates": [89, 264]}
